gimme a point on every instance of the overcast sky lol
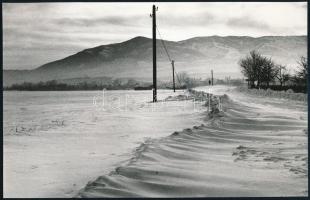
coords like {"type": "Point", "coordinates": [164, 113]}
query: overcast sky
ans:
{"type": "Point", "coordinates": [37, 33]}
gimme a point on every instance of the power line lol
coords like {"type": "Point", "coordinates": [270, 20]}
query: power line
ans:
{"type": "Point", "coordinates": [163, 43]}
{"type": "Point", "coordinates": [165, 47]}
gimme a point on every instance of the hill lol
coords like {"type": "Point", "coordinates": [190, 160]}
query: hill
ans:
{"type": "Point", "coordinates": [133, 58]}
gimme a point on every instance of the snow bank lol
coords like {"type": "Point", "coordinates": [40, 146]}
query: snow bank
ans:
{"type": "Point", "coordinates": [248, 151]}
{"type": "Point", "coordinates": [289, 94]}
{"type": "Point", "coordinates": [213, 102]}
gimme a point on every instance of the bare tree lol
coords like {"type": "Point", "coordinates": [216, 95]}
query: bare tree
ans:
{"type": "Point", "coordinates": [302, 73]}
{"type": "Point", "coordinates": [247, 70]}
{"type": "Point", "coordinates": [257, 68]}
{"type": "Point", "coordinates": [185, 80]}
{"type": "Point", "coordinates": [268, 71]}
{"type": "Point", "coordinates": [182, 77]}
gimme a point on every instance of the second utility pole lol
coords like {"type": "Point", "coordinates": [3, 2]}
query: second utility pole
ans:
{"type": "Point", "coordinates": [172, 62]}
{"type": "Point", "coordinates": [154, 55]}
{"type": "Point", "coordinates": [212, 76]}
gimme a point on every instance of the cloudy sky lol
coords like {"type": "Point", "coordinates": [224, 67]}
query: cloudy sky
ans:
{"type": "Point", "coordinates": [37, 33]}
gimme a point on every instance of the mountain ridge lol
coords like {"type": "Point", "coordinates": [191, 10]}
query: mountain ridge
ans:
{"type": "Point", "coordinates": [133, 58]}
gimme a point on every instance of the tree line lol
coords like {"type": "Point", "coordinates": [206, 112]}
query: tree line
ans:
{"type": "Point", "coordinates": [184, 80]}
{"type": "Point", "coordinates": [54, 85]}
{"type": "Point", "coordinates": [263, 72]}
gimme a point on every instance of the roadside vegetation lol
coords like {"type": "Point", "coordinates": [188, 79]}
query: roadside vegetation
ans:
{"type": "Point", "coordinates": [54, 85]}
{"type": "Point", "coordinates": [263, 73]}
{"type": "Point", "coordinates": [184, 81]}
{"type": "Point", "coordinates": [117, 84]}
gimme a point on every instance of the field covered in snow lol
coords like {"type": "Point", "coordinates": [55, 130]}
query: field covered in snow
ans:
{"type": "Point", "coordinates": [57, 142]}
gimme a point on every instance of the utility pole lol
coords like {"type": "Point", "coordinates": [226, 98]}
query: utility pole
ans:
{"type": "Point", "coordinates": [212, 76]}
{"type": "Point", "coordinates": [154, 55]}
{"type": "Point", "coordinates": [172, 62]}
{"type": "Point", "coordinates": [281, 75]}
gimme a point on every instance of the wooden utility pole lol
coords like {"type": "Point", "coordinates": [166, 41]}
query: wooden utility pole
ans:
{"type": "Point", "coordinates": [154, 56]}
{"type": "Point", "coordinates": [281, 75]}
{"type": "Point", "coordinates": [172, 62]}
{"type": "Point", "coordinates": [211, 76]}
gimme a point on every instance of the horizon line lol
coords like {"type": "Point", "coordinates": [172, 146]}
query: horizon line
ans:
{"type": "Point", "coordinates": [151, 39]}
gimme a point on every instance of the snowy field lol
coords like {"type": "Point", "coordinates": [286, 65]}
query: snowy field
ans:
{"type": "Point", "coordinates": [57, 142]}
